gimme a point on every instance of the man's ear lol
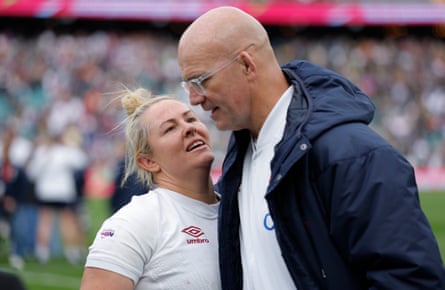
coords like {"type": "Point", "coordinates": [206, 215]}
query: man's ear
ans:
{"type": "Point", "coordinates": [147, 163]}
{"type": "Point", "coordinates": [247, 62]}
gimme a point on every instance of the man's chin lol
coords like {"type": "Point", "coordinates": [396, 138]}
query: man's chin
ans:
{"type": "Point", "coordinates": [222, 126]}
{"type": "Point", "coordinates": [220, 123]}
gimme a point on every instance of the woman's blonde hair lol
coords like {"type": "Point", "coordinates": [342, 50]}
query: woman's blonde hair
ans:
{"type": "Point", "coordinates": [135, 103]}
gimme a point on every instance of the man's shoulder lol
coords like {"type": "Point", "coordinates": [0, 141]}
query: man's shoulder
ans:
{"type": "Point", "coordinates": [305, 69]}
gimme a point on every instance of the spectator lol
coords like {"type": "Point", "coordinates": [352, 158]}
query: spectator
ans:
{"type": "Point", "coordinates": [53, 168]}
{"type": "Point", "coordinates": [18, 200]}
{"type": "Point", "coordinates": [123, 192]}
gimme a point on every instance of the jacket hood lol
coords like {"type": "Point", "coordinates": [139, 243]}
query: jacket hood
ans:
{"type": "Point", "coordinates": [328, 98]}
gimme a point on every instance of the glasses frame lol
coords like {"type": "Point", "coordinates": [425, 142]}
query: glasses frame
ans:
{"type": "Point", "coordinates": [196, 85]}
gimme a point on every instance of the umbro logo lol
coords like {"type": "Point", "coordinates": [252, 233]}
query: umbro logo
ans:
{"type": "Point", "coordinates": [195, 232]}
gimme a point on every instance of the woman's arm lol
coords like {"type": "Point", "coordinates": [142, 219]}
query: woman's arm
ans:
{"type": "Point", "coordinates": [99, 279]}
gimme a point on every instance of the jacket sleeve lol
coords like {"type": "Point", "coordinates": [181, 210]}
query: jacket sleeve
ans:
{"type": "Point", "coordinates": [377, 223]}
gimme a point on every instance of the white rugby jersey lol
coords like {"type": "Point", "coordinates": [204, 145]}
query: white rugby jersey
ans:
{"type": "Point", "coordinates": [161, 240]}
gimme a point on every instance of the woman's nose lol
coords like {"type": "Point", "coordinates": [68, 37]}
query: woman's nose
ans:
{"type": "Point", "coordinates": [190, 130]}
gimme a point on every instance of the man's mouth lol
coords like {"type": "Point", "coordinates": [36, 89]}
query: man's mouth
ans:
{"type": "Point", "coordinates": [213, 112]}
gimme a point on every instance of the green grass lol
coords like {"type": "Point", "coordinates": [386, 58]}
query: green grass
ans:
{"type": "Point", "coordinates": [60, 275]}
{"type": "Point", "coordinates": [433, 204]}
{"type": "Point", "coordinates": [56, 275]}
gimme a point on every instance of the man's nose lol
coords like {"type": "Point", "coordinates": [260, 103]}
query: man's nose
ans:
{"type": "Point", "coordinates": [195, 98]}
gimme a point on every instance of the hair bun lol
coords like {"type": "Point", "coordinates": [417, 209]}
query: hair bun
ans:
{"type": "Point", "coordinates": [131, 100]}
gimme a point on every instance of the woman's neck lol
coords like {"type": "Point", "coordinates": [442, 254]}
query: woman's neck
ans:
{"type": "Point", "coordinates": [201, 189]}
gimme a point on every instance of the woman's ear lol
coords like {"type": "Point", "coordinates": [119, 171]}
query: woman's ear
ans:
{"type": "Point", "coordinates": [147, 163]}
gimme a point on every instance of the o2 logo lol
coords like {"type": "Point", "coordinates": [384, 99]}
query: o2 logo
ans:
{"type": "Point", "coordinates": [268, 222]}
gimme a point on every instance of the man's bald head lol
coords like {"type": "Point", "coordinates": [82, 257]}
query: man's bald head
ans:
{"type": "Point", "coordinates": [249, 79]}
{"type": "Point", "coordinates": [221, 32]}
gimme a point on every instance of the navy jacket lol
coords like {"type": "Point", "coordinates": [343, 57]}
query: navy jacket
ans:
{"type": "Point", "coordinates": [344, 202]}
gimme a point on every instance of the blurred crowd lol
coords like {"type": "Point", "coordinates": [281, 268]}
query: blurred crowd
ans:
{"type": "Point", "coordinates": [60, 86]}
{"type": "Point", "coordinates": [405, 77]}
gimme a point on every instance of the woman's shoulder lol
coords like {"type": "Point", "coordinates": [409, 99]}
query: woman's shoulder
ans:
{"type": "Point", "coordinates": [140, 205]}
{"type": "Point", "coordinates": [136, 217]}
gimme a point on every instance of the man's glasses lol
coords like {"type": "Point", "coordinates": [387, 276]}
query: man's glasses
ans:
{"type": "Point", "coordinates": [196, 85]}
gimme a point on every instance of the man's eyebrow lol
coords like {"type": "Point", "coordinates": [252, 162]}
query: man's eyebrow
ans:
{"type": "Point", "coordinates": [194, 77]}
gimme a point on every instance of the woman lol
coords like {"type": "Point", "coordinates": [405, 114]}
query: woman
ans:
{"type": "Point", "coordinates": [167, 238]}
{"type": "Point", "coordinates": [53, 168]}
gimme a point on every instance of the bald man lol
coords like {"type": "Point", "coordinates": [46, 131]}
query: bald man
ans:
{"type": "Point", "coordinates": [312, 198]}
